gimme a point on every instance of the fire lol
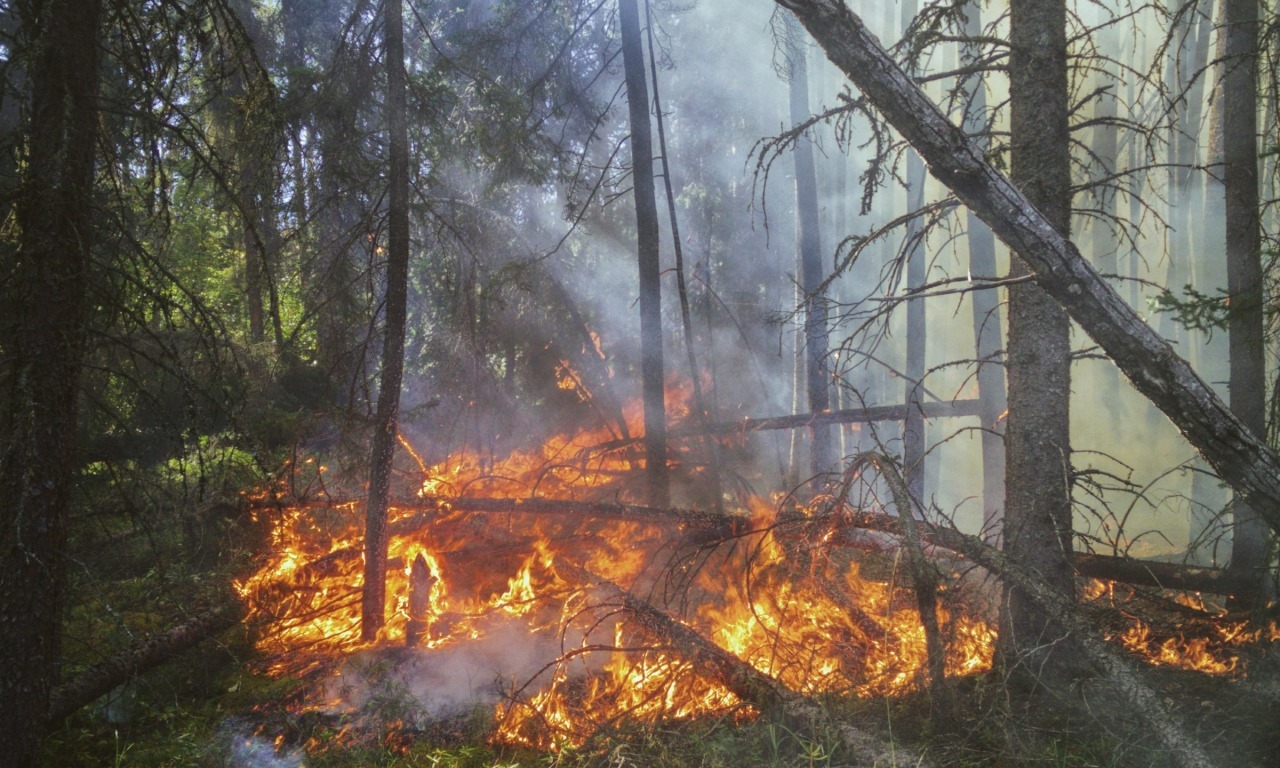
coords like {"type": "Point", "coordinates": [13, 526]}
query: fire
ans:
{"type": "Point", "coordinates": [796, 609]}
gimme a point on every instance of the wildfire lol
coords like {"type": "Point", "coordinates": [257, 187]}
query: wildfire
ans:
{"type": "Point", "coordinates": [756, 595]}
{"type": "Point", "coordinates": [528, 564]}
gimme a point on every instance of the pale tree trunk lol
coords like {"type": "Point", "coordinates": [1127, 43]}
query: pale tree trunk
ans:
{"type": "Point", "coordinates": [651, 364]}
{"type": "Point", "coordinates": [987, 325]}
{"type": "Point", "coordinates": [1250, 542]}
{"type": "Point", "coordinates": [809, 252]}
{"type": "Point", "coordinates": [374, 594]}
{"type": "Point", "coordinates": [913, 429]}
{"type": "Point", "coordinates": [46, 289]}
{"type": "Point", "coordinates": [1037, 523]}
{"type": "Point", "coordinates": [1242, 459]}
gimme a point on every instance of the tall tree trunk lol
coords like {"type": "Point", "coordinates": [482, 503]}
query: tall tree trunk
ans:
{"type": "Point", "coordinates": [913, 437]}
{"type": "Point", "coordinates": [651, 365]}
{"type": "Point", "coordinates": [1250, 543]}
{"type": "Point", "coordinates": [373, 598]}
{"type": "Point", "coordinates": [42, 372]}
{"type": "Point", "coordinates": [809, 248]}
{"type": "Point", "coordinates": [987, 330]}
{"type": "Point", "coordinates": [1037, 523]}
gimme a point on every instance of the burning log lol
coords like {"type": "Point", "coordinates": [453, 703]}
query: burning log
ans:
{"type": "Point", "coordinates": [745, 681]}
{"type": "Point", "coordinates": [153, 651]}
{"type": "Point", "coordinates": [1150, 573]}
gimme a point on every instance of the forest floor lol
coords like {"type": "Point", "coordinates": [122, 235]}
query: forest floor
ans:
{"type": "Point", "coordinates": [213, 709]}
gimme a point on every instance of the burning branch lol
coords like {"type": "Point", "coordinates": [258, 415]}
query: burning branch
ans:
{"type": "Point", "coordinates": [746, 682]}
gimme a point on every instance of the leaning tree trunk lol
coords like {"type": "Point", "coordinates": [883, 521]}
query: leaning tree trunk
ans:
{"type": "Point", "coordinates": [1037, 521]}
{"type": "Point", "coordinates": [1250, 543]}
{"type": "Point", "coordinates": [651, 364]}
{"type": "Point", "coordinates": [46, 293]}
{"type": "Point", "coordinates": [1240, 457]}
{"type": "Point", "coordinates": [373, 598]}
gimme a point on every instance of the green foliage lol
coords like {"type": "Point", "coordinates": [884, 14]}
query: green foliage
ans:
{"type": "Point", "coordinates": [1195, 311]}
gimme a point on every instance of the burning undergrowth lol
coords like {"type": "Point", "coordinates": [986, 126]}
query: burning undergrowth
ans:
{"type": "Point", "coordinates": [525, 589]}
{"type": "Point", "coordinates": [564, 611]}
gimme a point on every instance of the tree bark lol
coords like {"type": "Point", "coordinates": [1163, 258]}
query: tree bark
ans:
{"type": "Point", "coordinates": [651, 363]}
{"type": "Point", "coordinates": [1242, 459]}
{"type": "Point", "coordinates": [1250, 544]}
{"type": "Point", "coordinates": [1037, 521]}
{"type": "Point", "coordinates": [42, 369]}
{"type": "Point", "coordinates": [373, 598]}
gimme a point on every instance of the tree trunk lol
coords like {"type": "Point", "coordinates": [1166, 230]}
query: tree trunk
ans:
{"type": "Point", "coordinates": [49, 281]}
{"type": "Point", "coordinates": [913, 430]}
{"type": "Point", "coordinates": [651, 365]}
{"type": "Point", "coordinates": [373, 598]}
{"type": "Point", "coordinates": [1242, 459]}
{"type": "Point", "coordinates": [809, 246]}
{"type": "Point", "coordinates": [987, 325]}
{"type": "Point", "coordinates": [1037, 521]}
{"type": "Point", "coordinates": [1250, 543]}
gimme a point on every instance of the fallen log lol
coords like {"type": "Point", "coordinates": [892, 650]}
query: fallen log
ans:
{"type": "Point", "coordinates": [151, 652]}
{"type": "Point", "coordinates": [1153, 573]}
{"type": "Point", "coordinates": [428, 509]}
{"type": "Point", "coordinates": [745, 681]}
{"type": "Point", "coordinates": [1150, 573]}
{"type": "Point", "coordinates": [876, 413]}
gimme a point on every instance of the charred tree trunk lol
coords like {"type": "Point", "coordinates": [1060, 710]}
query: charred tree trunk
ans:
{"type": "Point", "coordinates": [987, 326]}
{"type": "Point", "coordinates": [48, 282]}
{"type": "Point", "coordinates": [1250, 544]}
{"type": "Point", "coordinates": [373, 598]}
{"type": "Point", "coordinates": [651, 363]}
{"type": "Point", "coordinates": [1037, 521]}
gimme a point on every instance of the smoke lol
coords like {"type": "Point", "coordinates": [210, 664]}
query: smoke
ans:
{"type": "Point", "coordinates": [424, 685]}
{"type": "Point", "coordinates": [236, 746]}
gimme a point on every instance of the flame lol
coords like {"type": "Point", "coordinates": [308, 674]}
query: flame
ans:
{"type": "Point", "coordinates": [796, 609]}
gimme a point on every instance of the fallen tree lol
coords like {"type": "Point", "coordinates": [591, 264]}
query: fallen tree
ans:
{"type": "Point", "coordinates": [151, 652]}
{"type": "Point", "coordinates": [427, 510]}
{"type": "Point", "coordinates": [1239, 457]}
{"type": "Point", "coordinates": [869, 415]}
